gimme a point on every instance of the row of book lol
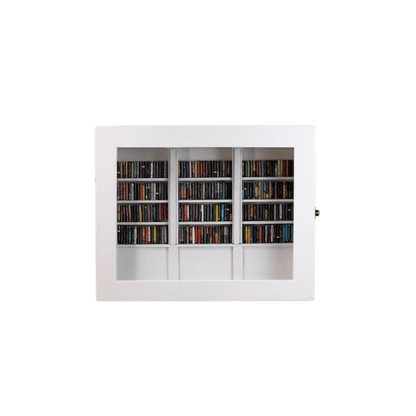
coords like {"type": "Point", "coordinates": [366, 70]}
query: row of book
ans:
{"type": "Point", "coordinates": [138, 191]}
{"type": "Point", "coordinates": [267, 212]}
{"type": "Point", "coordinates": [267, 190]}
{"type": "Point", "coordinates": [139, 169]}
{"type": "Point", "coordinates": [205, 234]}
{"type": "Point", "coordinates": [206, 190]}
{"type": "Point", "coordinates": [142, 212]}
{"type": "Point", "coordinates": [205, 212]}
{"type": "Point", "coordinates": [204, 168]}
{"type": "Point", "coordinates": [268, 233]}
{"type": "Point", "coordinates": [267, 168]}
{"type": "Point", "coordinates": [139, 234]}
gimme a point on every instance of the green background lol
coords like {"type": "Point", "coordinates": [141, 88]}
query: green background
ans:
{"type": "Point", "coordinates": [344, 66]}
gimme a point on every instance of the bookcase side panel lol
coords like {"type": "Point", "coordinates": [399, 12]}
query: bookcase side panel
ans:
{"type": "Point", "coordinates": [304, 213]}
{"type": "Point", "coordinates": [106, 212]}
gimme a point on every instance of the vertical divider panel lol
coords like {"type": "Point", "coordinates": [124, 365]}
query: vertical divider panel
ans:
{"type": "Point", "coordinates": [236, 196]}
{"type": "Point", "coordinates": [173, 255]}
{"type": "Point", "coordinates": [238, 270]}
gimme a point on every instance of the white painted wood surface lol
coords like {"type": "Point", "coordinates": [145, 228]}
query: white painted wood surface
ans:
{"type": "Point", "coordinates": [197, 272]}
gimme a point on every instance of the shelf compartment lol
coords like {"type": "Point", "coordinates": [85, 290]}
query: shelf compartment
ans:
{"type": "Point", "coordinates": [148, 263]}
{"type": "Point", "coordinates": [214, 263]}
{"type": "Point", "coordinates": [268, 261]}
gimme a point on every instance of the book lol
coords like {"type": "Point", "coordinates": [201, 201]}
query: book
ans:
{"type": "Point", "coordinates": [205, 190]}
{"type": "Point", "coordinates": [205, 234]}
{"type": "Point", "coordinates": [268, 234]}
{"type": "Point", "coordinates": [142, 212]}
{"type": "Point", "coordinates": [138, 234]}
{"type": "Point", "coordinates": [204, 168]}
{"type": "Point", "coordinates": [142, 169]}
{"type": "Point", "coordinates": [267, 212]}
{"type": "Point", "coordinates": [268, 168]}
{"type": "Point", "coordinates": [267, 190]}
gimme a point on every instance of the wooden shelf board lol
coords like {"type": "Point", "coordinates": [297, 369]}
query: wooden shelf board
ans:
{"type": "Point", "coordinates": [205, 179]}
{"type": "Point", "coordinates": [250, 201]}
{"type": "Point", "coordinates": [141, 245]}
{"type": "Point", "coordinates": [268, 222]}
{"type": "Point", "coordinates": [268, 178]}
{"type": "Point", "coordinates": [204, 201]}
{"type": "Point", "coordinates": [184, 223]}
{"type": "Point", "coordinates": [144, 223]}
{"type": "Point", "coordinates": [152, 201]}
{"type": "Point", "coordinates": [142, 179]}
{"type": "Point", "coordinates": [266, 244]}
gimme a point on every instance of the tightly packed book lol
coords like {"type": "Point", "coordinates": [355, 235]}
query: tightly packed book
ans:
{"type": "Point", "coordinates": [139, 169]}
{"type": "Point", "coordinates": [268, 233]}
{"type": "Point", "coordinates": [267, 212]}
{"type": "Point", "coordinates": [205, 212]}
{"type": "Point", "coordinates": [205, 190]}
{"type": "Point", "coordinates": [267, 168]}
{"type": "Point", "coordinates": [267, 190]}
{"type": "Point", "coordinates": [139, 234]}
{"type": "Point", "coordinates": [138, 191]}
{"type": "Point", "coordinates": [205, 234]}
{"type": "Point", "coordinates": [142, 212]}
{"type": "Point", "coordinates": [205, 169]}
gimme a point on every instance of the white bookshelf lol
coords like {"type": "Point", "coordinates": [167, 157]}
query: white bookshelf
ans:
{"type": "Point", "coordinates": [218, 271]}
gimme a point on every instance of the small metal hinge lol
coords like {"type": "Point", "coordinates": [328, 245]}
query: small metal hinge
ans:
{"type": "Point", "coordinates": [317, 212]}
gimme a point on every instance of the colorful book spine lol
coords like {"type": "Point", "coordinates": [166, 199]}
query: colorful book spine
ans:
{"type": "Point", "coordinates": [268, 234]}
{"type": "Point", "coordinates": [142, 169]}
{"type": "Point", "coordinates": [204, 168]}
{"type": "Point", "coordinates": [205, 234]}
{"type": "Point", "coordinates": [267, 168]}
{"type": "Point", "coordinates": [267, 190]}
{"type": "Point", "coordinates": [142, 234]}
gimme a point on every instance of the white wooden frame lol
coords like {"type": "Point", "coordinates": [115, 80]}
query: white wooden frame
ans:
{"type": "Point", "coordinates": [301, 287]}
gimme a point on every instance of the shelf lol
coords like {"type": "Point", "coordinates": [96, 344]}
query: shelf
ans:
{"type": "Point", "coordinates": [266, 244]}
{"type": "Point", "coordinates": [204, 201]}
{"type": "Point", "coordinates": [206, 245]}
{"type": "Point", "coordinates": [142, 245]}
{"type": "Point", "coordinates": [142, 179]}
{"type": "Point", "coordinates": [267, 222]}
{"type": "Point", "coordinates": [128, 201]}
{"type": "Point", "coordinates": [184, 223]}
{"type": "Point", "coordinates": [204, 179]}
{"type": "Point", "coordinates": [143, 223]}
{"type": "Point", "coordinates": [268, 178]}
{"type": "Point", "coordinates": [250, 201]}
{"type": "Point", "coordinates": [201, 245]}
